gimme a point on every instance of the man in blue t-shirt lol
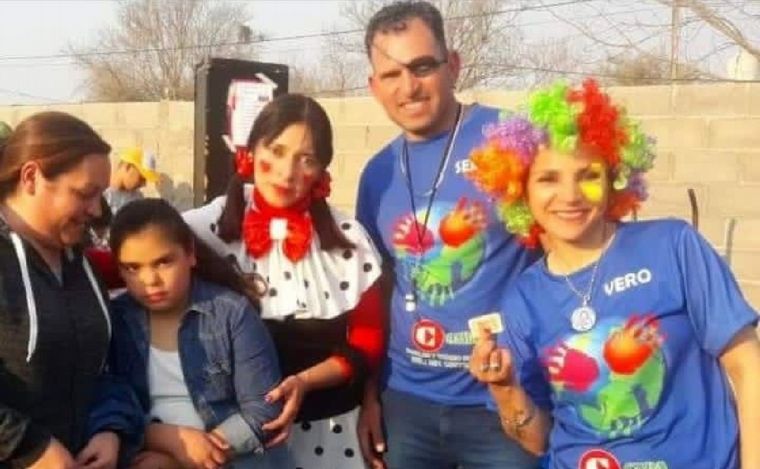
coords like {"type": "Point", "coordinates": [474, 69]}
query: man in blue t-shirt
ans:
{"type": "Point", "coordinates": [446, 255]}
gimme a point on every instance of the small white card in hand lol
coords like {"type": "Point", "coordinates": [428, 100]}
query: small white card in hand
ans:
{"type": "Point", "coordinates": [491, 322]}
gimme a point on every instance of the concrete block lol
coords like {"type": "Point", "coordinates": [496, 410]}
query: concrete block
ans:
{"type": "Point", "coordinates": [735, 132]}
{"type": "Point", "coordinates": [746, 233]}
{"type": "Point", "coordinates": [345, 192]}
{"type": "Point", "coordinates": [745, 264]}
{"type": "Point", "coordinates": [644, 100]}
{"type": "Point", "coordinates": [671, 200]}
{"type": "Point", "coordinates": [716, 99]}
{"type": "Point", "coordinates": [734, 201]}
{"type": "Point", "coordinates": [749, 163]}
{"type": "Point", "coordinates": [751, 292]}
{"type": "Point", "coordinates": [753, 98]}
{"type": "Point", "coordinates": [357, 110]}
{"type": "Point", "coordinates": [76, 110]}
{"type": "Point", "coordinates": [102, 114]}
{"type": "Point", "coordinates": [140, 115]}
{"type": "Point", "coordinates": [510, 100]}
{"type": "Point", "coordinates": [22, 112]}
{"type": "Point", "coordinates": [119, 138]}
{"type": "Point", "coordinates": [379, 136]}
{"type": "Point", "coordinates": [714, 230]}
{"type": "Point", "coordinates": [706, 166]}
{"type": "Point", "coordinates": [685, 132]}
{"type": "Point", "coordinates": [178, 114]}
{"type": "Point", "coordinates": [663, 167]}
{"type": "Point", "coordinates": [350, 137]}
{"type": "Point", "coordinates": [348, 164]}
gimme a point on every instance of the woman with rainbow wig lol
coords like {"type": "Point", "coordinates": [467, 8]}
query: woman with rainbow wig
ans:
{"type": "Point", "coordinates": [616, 349]}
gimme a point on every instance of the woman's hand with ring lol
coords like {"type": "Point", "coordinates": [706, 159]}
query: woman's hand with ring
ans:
{"type": "Point", "coordinates": [488, 363]}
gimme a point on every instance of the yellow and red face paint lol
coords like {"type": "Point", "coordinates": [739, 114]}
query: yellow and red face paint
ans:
{"type": "Point", "coordinates": [592, 186]}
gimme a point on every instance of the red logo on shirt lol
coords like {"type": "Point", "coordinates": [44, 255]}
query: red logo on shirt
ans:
{"type": "Point", "coordinates": [428, 335]}
{"type": "Point", "coordinates": [598, 459]}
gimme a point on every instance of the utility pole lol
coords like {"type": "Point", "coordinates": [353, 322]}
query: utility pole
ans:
{"type": "Point", "coordinates": [675, 34]}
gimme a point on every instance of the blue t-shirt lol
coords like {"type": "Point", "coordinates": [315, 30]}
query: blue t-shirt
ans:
{"type": "Point", "coordinates": [643, 388]}
{"type": "Point", "coordinates": [462, 262]}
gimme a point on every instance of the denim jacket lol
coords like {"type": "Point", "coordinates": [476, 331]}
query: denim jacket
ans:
{"type": "Point", "coordinates": [227, 356]}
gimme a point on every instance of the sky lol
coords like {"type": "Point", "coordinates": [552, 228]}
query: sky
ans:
{"type": "Point", "coordinates": [43, 28]}
{"type": "Point", "coordinates": [31, 30]}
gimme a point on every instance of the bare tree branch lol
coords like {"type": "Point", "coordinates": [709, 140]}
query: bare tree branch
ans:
{"type": "Point", "coordinates": [168, 39]}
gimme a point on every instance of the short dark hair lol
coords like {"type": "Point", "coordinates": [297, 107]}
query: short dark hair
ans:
{"type": "Point", "coordinates": [393, 18]}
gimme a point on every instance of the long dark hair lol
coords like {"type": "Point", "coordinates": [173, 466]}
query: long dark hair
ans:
{"type": "Point", "coordinates": [140, 214]}
{"type": "Point", "coordinates": [56, 140]}
{"type": "Point", "coordinates": [283, 111]}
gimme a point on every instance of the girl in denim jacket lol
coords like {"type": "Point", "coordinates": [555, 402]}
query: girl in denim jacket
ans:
{"type": "Point", "coordinates": [188, 338]}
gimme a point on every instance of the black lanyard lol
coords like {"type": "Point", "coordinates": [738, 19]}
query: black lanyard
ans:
{"type": "Point", "coordinates": [434, 190]}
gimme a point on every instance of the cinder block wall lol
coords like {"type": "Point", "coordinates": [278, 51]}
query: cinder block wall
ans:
{"type": "Point", "coordinates": [163, 127]}
{"type": "Point", "coordinates": [708, 140]}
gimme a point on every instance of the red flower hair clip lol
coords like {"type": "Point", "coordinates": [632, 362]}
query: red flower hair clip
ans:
{"type": "Point", "coordinates": [322, 187]}
{"type": "Point", "coordinates": [244, 163]}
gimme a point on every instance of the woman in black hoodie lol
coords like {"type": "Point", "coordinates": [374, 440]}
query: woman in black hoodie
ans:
{"type": "Point", "coordinates": [54, 323]}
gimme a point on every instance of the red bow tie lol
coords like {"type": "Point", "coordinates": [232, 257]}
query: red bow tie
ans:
{"type": "Point", "coordinates": [257, 234]}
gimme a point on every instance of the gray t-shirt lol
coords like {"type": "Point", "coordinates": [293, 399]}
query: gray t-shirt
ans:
{"type": "Point", "coordinates": [118, 198]}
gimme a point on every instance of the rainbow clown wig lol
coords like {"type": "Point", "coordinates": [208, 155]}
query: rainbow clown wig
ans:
{"type": "Point", "coordinates": [564, 119]}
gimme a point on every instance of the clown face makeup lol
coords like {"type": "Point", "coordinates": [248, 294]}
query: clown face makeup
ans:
{"type": "Point", "coordinates": [286, 169]}
{"type": "Point", "coordinates": [592, 186]}
{"type": "Point", "coordinates": [567, 195]}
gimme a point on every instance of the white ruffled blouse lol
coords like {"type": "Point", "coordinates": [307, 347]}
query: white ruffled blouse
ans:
{"type": "Point", "coordinates": [322, 285]}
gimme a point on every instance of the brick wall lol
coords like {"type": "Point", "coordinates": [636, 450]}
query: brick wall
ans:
{"type": "Point", "coordinates": [708, 140]}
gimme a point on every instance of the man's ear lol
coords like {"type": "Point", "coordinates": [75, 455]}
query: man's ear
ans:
{"type": "Point", "coordinates": [372, 84]}
{"type": "Point", "coordinates": [29, 176]}
{"type": "Point", "coordinates": [454, 64]}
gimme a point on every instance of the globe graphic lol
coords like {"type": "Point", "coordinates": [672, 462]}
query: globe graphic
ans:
{"type": "Point", "coordinates": [439, 267]}
{"type": "Point", "coordinates": [613, 404]}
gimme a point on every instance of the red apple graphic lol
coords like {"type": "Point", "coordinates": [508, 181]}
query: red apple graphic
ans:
{"type": "Point", "coordinates": [630, 347]}
{"type": "Point", "coordinates": [462, 223]}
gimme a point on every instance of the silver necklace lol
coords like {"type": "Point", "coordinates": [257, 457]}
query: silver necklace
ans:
{"type": "Point", "coordinates": [410, 298]}
{"type": "Point", "coordinates": [583, 318]}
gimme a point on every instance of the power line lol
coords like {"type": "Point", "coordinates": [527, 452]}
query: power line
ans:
{"type": "Point", "coordinates": [27, 95]}
{"type": "Point", "coordinates": [276, 39]}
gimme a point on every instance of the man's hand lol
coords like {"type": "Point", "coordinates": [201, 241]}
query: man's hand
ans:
{"type": "Point", "coordinates": [55, 456]}
{"type": "Point", "coordinates": [292, 390]}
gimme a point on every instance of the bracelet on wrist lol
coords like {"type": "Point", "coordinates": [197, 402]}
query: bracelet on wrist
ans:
{"type": "Point", "coordinates": [522, 419]}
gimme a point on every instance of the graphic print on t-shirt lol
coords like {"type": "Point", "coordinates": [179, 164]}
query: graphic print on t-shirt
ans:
{"type": "Point", "coordinates": [445, 256]}
{"type": "Point", "coordinates": [612, 375]}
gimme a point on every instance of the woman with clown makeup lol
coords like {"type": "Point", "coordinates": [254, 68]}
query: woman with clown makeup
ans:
{"type": "Point", "coordinates": [629, 345]}
{"type": "Point", "coordinates": [317, 274]}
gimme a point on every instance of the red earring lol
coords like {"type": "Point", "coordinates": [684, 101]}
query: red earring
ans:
{"type": "Point", "coordinates": [244, 163]}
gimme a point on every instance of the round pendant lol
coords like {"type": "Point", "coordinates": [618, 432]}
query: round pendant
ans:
{"type": "Point", "coordinates": [583, 318]}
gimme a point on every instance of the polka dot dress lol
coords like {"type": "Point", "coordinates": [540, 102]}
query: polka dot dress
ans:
{"type": "Point", "coordinates": [326, 444]}
{"type": "Point", "coordinates": [323, 285]}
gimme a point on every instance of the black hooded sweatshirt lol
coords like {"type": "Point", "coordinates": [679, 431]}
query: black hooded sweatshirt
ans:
{"type": "Point", "coordinates": [54, 338]}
